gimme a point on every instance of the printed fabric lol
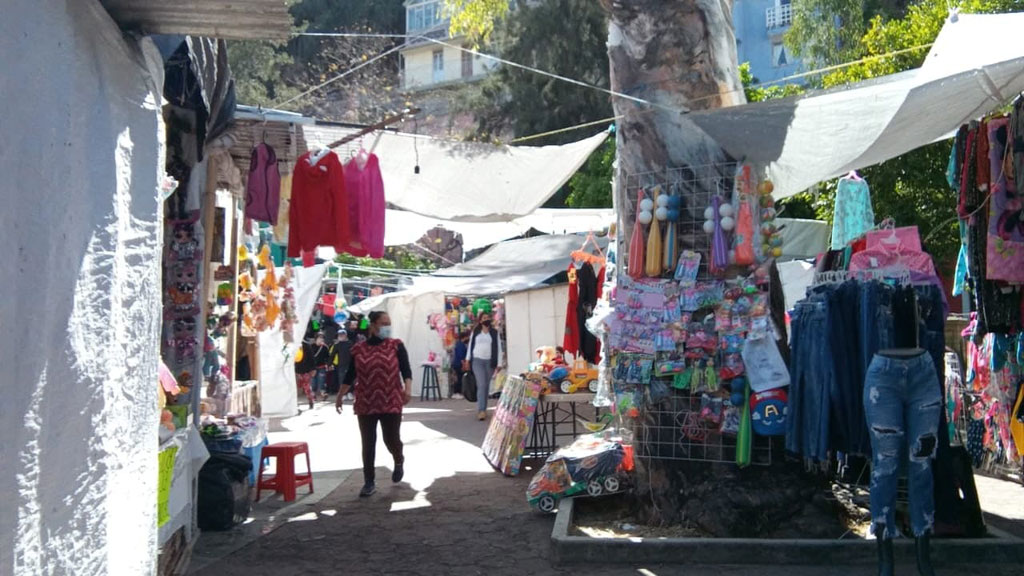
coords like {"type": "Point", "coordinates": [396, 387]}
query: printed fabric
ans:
{"type": "Point", "coordinates": [1005, 248]}
{"type": "Point", "coordinates": [379, 389]}
{"type": "Point", "coordinates": [853, 215]}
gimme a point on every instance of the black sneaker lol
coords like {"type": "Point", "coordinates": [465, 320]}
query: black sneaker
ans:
{"type": "Point", "coordinates": [368, 489]}
{"type": "Point", "coordinates": [398, 474]}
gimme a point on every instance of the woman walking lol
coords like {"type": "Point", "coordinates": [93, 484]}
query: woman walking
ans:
{"type": "Point", "coordinates": [484, 354]}
{"type": "Point", "coordinates": [381, 378]}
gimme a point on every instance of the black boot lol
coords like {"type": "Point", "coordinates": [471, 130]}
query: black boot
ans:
{"type": "Point", "coordinates": [924, 556]}
{"type": "Point", "coordinates": [885, 554]}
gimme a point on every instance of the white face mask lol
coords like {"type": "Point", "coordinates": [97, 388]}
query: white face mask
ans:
{"type": "Point", "coordinates": [384, 332]}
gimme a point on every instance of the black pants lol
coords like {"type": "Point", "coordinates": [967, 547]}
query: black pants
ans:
{"type": "Point", "coordinates": [391, 426]}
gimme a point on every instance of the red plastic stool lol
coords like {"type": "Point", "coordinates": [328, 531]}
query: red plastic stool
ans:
{"type": "Point", "coordinates": [286, 480]}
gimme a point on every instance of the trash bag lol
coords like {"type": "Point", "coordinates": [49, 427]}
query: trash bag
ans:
{"type": "Point", "coordinates": [469, 386]}
{"type": "Point", "coordinates": [224, 499]}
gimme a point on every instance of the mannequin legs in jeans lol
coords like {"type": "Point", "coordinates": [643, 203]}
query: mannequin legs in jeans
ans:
{"type": "Point", "coordinates": [483, 372]}
{"type": "Point", "coordinates": [902, 402]}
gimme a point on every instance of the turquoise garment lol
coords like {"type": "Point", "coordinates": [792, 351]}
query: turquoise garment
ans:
{"type": "Point", "coordinates": [960, 276]}
{"type": "Point", "coordinates": [853, 216]}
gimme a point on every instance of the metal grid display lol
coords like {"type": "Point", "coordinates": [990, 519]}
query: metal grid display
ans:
{"type": "Point", "coordinates": [696, 185]}
{"type": "Point", "coordinates": [674, 430]}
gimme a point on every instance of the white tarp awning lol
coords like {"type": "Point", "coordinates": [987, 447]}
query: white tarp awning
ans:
{"type": "Point", "coordinates": [467, 181]}
{"type": "Point", "coordinates": [508, 267]}
{"type": "Point", "coordinates": [407, 227]}
{"type": "Point", "coordinates": [972, 69]}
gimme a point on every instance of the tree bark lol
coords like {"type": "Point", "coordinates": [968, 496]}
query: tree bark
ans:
{"type": "Point", "coordinates": [678, 55]}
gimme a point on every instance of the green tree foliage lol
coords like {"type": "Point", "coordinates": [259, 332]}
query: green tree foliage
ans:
{"type": "Point", "coordinates": [591, 187]}
{"type": "Point", "coordinates": [826, 31]}
{"type": "Point", "coordinates": [396, 258]}
{"type": "Point", "coordinates": [756, 93]}
{"type": "Point", "coordinates": [475, 18]}
{"type": "Point", "coordinates": [526, 103]}
{"type": "Point", "coordinates": [257, 67]}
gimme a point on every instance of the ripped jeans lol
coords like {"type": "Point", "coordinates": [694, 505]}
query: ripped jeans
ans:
{"type": "Point", "coordinates": [902, 403]}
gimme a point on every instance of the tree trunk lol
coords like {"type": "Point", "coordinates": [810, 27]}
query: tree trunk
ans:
{"type": "Point", "coordinates": [680, 55]}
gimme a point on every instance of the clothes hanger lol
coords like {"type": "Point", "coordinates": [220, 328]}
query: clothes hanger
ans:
{"type": "Point", "coordinates": [582, 255]}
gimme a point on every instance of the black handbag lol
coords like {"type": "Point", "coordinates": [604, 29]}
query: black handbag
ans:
{"type": "Point", "coordinates": [469, 386]}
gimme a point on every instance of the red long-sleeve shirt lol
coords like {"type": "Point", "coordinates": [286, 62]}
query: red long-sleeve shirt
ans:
{"type": "Point", "coordinates": [318, 214]}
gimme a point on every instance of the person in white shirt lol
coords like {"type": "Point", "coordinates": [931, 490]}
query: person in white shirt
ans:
{"type": "Point", "coordinates": [483, 358]}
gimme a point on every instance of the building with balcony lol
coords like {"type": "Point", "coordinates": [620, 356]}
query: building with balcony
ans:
{"type": "Point", "coordinates": [760, 26]}
{"type": "Point", "coordinates": [425, 64]}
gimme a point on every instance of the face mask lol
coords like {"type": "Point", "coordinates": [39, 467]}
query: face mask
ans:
{"type": "Point", "coordinates": [487, 323]}
{"type": "Point", "coordinates": [384, 332]}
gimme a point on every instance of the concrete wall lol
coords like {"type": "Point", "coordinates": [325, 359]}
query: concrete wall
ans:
{"type": "Point", "coordinates": [80, 300]}
{"type": "Point", "coordinates": [534, 318]}
{"type": "Point", "coordinates": [754, 40]}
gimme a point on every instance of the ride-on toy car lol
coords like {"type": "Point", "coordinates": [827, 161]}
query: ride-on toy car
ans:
{"type": "Point", "coordinates": [583, 376]}
{"type": "Point", "coordinates": [593, 465]}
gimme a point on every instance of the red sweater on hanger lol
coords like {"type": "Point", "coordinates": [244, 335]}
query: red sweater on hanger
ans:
{"type": "Point", "coordinates": [318, 213]}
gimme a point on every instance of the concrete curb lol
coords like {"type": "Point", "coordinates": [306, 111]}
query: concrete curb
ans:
{"type": "Point", "coordinates": [1001, 548]}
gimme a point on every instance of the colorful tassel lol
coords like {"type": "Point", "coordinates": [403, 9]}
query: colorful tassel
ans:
{"type": "Point", "coordinates": [653, 267]}
{"type": "Point", "coordinates": [719, 247]}
{"type": "Point", "coordinates": [636, 244]}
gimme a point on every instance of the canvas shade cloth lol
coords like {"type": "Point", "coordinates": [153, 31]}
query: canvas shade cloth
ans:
{"type": "Point", "coordinates": [973, 68]}
{"type": "Point", "coordinates": [466, 181]}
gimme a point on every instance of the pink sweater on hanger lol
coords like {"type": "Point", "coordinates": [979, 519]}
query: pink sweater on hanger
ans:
{"type": "Point", "coordinates": [365, 187]}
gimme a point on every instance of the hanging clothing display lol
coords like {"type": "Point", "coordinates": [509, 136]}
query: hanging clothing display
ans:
{"type": "Point", "coordinates": [587, 283]}
{"type": "Point", "coordinates": [319, 213]}
{"type": "Point", "coordinates": [1005, 248]}
{"type": "Point", "coordinates": [853, 214]}
{"type": "Point", "coordinates": [571, 339]}
{"type": "Point", "coordinates": [263, 188]}
{"type": "Point", "coordinates": [365, 187]}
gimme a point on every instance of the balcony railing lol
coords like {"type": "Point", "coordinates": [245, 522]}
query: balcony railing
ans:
{"type": "Point", "coordinates": [779, 16]}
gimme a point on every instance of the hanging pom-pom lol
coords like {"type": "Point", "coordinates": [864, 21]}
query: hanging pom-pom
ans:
{"type": "Point", "coordinates": [646, 205]}
{"type": "Point", "coordinates": [725, 210]}
{"type": "Point", "coordinates": [709, 213]}
{"type": "Point", "coordinates": [728, 223]}
{"type": "Point", "coordinates": [661, 213]}
{"type": "Point", "coordinates": [663, 200]}
{"type": "Point", "coordinates": [645, 217]}
{"type": "Point", "coordinates": [709, 227]}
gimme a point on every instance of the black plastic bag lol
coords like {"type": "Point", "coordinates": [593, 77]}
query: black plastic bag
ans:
{"type": "Point", "coordinates": [469, 386]}
{"type": "Point", "coordinates": [224, 499]}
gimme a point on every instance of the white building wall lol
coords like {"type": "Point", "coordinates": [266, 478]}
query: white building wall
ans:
{"type": "Point", "coordinates": [534, 318]}
{"type": "Point", "coordinates": [80, 303]}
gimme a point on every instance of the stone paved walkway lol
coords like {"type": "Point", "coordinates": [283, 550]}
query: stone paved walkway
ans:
{"type": "Point", "coordinates": [452, 515]}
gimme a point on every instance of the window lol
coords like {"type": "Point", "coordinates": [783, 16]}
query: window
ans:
{"type": "Point", "coordinates": [780, 56]}
{"type": "Point", "coordinates": [423, 16]}
{"type": "Point", "coordinates": [438, 66]}
{"type": "Point", "coordinates": [467, 65]}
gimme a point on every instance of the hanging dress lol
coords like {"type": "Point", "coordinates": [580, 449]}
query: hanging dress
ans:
{"type": "Point", "coordinates": [571, 340]}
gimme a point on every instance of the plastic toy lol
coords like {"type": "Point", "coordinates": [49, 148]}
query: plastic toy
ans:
{"type": "Point", "coordinates": [593, 465]}
{"type": "Point", "coordinates": [583, 376]}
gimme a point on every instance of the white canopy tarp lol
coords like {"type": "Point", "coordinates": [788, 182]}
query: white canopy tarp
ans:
{"type": "Point", "coordinates": [467, 181]}
{"type": "Point", "coordinates": [972, 69]}
{"type": "Point", "coordinates": [408, 227]}
{"type": "Point", "coordinates": [278, 392]}
{"type": "Point", "coordinates": [507, 267]}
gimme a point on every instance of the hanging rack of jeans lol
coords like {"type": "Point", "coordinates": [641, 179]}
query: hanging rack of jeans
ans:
{"type": "Point", "coordinates": [837, 330]}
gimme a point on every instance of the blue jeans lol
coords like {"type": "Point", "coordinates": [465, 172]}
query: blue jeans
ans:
{"type": "Point", "coordinates": [807, 427]}
{"type": "Point", "coordinates": [902, 403]}
{"type": "Point", "coordinates": [483, 372]}
{"type": "Point", "coordinates": [320, 380]}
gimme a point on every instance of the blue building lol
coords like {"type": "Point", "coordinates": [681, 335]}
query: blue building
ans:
{"type": "Point", "coordinates": [760, 26]}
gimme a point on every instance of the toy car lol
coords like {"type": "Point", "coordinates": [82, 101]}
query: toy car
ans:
{"type": "Point", "coordinates": [593, 465]}
{"type": "Point", "coordinates": [583, 376]}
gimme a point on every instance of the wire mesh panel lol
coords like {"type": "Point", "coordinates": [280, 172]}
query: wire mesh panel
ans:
{"type": "Point", "coordinates": [695, 186]}
{"type": "Point", "coordinates": [679, 428]}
